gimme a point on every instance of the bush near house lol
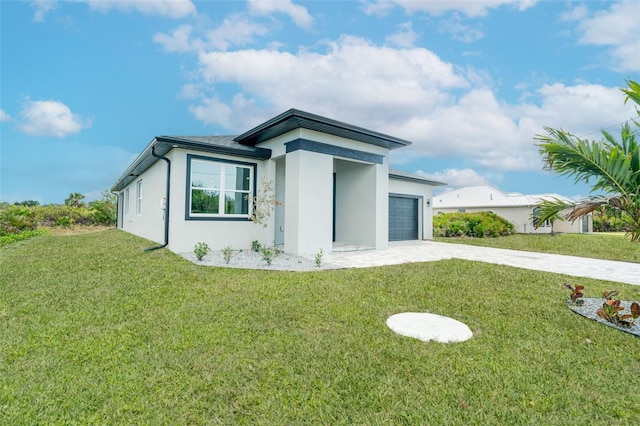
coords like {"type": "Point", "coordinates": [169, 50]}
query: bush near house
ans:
{"type": "Point", "coordinates": [479, 225]}
{"type": "Point", "coordinates": [611, 220]}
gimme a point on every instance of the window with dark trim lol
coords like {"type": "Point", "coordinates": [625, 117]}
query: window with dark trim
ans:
{"type": "Point", "coordinates": [219, 189]}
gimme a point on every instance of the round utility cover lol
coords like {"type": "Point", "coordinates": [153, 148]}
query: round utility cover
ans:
{"type": "Point", "coordinates": [426, 327]}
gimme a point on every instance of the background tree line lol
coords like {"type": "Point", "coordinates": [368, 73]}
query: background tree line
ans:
{"type": "Point", "coordinates": [29, 215]}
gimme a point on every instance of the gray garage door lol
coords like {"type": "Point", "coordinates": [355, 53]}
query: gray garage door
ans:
{"type": "Point", "coordinates": [403, 218]}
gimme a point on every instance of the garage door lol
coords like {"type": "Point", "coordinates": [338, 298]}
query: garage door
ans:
{"type": "Point", "coordinates": [403, 218]}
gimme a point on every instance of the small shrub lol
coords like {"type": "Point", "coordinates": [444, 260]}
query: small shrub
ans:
{"type": "Point", "coordinates": [256, 246]}
{"type": "Point", "coordinates": [16, 219]}
{"type": "Point", "coordinates": [318, 258]}
{"type": "Point", "coordinates": [277, 249]}
{"type": "Point", "coordinates": [226, 252]}
{"type": "Point", "coordinates": [268, 255]}
{"type": "Point", "coordinates": [64, 221]}
{"type": "Point", "coordinates": [201, 250]}
{"type": "Point", "coordinates": [575, 298]}
{"type": "Point", "coordinates": [612, 311]}
{"type": "Point", "coordinates": [478, 225]}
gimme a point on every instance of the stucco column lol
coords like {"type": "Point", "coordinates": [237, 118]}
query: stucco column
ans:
{"type": "Point", "coordinates": [308, 214]}
{"type": "Point", "coordinates": [382, 206]}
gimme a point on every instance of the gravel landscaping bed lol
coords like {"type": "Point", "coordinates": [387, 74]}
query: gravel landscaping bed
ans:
{"type": "Point", "coordinates": [248, 259]}
{"type": "Point", "coordinates": [592, 304]}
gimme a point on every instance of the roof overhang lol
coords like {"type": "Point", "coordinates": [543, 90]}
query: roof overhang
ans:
{"type": "Point", "coordinates": [296, 119]}
{"type": "Point", "coordinates": [410, 177]}
{"type": "Point", "coordinates": [161, 145]}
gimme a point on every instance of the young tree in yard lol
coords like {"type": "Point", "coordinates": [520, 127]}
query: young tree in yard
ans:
{"type": "Point", "coordinates": [613, 164]}
{"type": "Point", "coordinates": [75, 200]}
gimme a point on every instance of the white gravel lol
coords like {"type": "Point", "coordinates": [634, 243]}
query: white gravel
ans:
{"type": "Point", "coordinates": [247, 259]}
{"type": "Point", "coordinates": [592, 304]}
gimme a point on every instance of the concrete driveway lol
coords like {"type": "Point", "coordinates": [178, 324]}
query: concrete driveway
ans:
{"type": "Point", "coordinates": [425, 251]}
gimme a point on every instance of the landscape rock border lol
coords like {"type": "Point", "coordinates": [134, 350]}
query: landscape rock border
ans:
{"type": "Point", "coordinates": [592, 304]}
{"type": "Point", "coordinates": [248, 259]}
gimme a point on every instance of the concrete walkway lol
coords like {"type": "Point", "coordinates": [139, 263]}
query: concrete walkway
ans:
{"type": "Point", "coordinates": [425, 251]}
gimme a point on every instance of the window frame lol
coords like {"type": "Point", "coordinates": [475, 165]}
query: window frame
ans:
{"type": "Point", "coordinates": [127, 202]}
{"type": "Point", "coordinates": [535, 214]}
{"type": "Point", "coordinates": [139, 197]}
{"type": "Point", "coordinates": [220, 216]}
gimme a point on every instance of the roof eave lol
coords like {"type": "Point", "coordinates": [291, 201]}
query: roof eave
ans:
{"type": "Point", "coordinates": [294, 119]}
{"type": "Point", "coordinates": [164, 144]}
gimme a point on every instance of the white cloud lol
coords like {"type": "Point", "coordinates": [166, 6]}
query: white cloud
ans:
{"type": "Point", "coordinates": [298, 14]}
{"type": "Point", "coordinates": [4, 116]}
{"type": "Point", "coordinates": [456, 177]}
{"type": "Point", "coordinates": [615, 28]}
{"type": "Point", "coordinates": [179, 40]}
{"type": "Point", "coordinates": [50, 118]}
{"type": "Point", "coordinates": [41, 8]}
{"type": "Point", "coordinates": [473, 8]}
{"type": "Point", "coordinates": [377, 8]}
{"type": "Point", "coordinates": [236, 30]}
{"type": "Point", "coordinates": [461, 32]}
{"type": "Point", "coordinates": [404, 37]}
{"type": "Point", "coordinates": [410, 93]}
{"type": "Point", "coordinates": [166, 8]}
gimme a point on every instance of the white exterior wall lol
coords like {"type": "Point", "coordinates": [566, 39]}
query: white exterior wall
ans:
{"type": "Point", "coordinates": [425, 213]}
{"type": "Point", "coordinates": [309, 210]}
{"type": "Point", "coordinates": [363, 219]}
{"type": "Point", "coordinates": [150, 223]}
{"type": "Point", "coordinates": [355, 203]}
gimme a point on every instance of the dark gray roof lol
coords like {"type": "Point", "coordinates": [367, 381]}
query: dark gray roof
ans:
{"type": "Point", "coordinates": [245, 144]}
{"type": "Point", "coordinates": [163, 144]}
{"type": "Point", "coordinates": [412, 177]}
{"type": "Point", "coordinates": [295, 119]}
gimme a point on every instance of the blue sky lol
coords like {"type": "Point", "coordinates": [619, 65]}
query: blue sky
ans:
{"type": "Point", "coordinates": [85, 84]}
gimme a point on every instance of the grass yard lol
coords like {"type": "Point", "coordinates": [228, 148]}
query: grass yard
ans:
{"type": "Point", "coordinates": [96, 331]}
{"type": "Point", "coordinates": [599, 245]}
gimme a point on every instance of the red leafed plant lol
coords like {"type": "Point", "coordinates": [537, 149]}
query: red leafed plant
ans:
{"type": "Point", "coordinates": [575, 298]}
{"type": "Point", "coordinates": [612, 311]}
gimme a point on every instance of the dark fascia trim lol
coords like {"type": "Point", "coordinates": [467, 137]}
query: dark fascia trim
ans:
{"type": "Point", "coordinates": [294, 119]}
{"type": "Point", "coordinates": [164, 144]}
{"type": "Point", "coordinates": [187, 206]}
{"type": "Point", "coordinates": [408, 177]}
{"type": "Point", "coordinates": [337, 151]}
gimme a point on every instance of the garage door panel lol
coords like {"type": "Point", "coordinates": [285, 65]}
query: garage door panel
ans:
{"type": "Point", "coordinates": [403, 218]}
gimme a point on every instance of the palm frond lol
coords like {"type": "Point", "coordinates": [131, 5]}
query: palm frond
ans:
{"type": "Point", "coordinates": [549, 210]}
{"type": "Point", "coordinates": [566, 154]}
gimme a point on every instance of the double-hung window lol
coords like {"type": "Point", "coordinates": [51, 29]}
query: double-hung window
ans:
{"type": "Point", "coordinates": [139, 198]}
{"type": "Point", "coordinates": [219, 188]}
{"type": "Point", "coordinates": [127, 202]}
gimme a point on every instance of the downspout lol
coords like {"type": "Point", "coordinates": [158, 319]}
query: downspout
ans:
{"type": "Point", "coordinates": [166, 208]}
{"type": "Point", "coordinates": [117, 207]}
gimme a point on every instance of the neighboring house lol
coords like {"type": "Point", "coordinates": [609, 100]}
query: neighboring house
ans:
{"type": "Point", "coordinates": [515, 207]}
{"type": "Point", "coordinates": [331, 184]}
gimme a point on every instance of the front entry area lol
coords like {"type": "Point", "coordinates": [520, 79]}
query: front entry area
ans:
{"type": "Point", "coordinates": [403, 218]}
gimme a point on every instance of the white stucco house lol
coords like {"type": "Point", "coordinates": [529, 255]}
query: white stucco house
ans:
{"type": "Point", "coordinates": [331, 182]}
{"type": "Point", "coordinates": [515, 207]}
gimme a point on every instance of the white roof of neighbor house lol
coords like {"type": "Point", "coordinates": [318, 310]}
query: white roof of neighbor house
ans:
{"type": "Point", "coordinates": [488, 196]}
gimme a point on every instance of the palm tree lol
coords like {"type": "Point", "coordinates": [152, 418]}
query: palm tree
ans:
{"type": "Point", "coordinates": [613, 164]}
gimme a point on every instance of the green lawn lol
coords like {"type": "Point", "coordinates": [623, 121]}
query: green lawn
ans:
{"type": "Point", "coordinates": [96, 331]}
{"type": "Point", "coordinates": [598, 246]}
